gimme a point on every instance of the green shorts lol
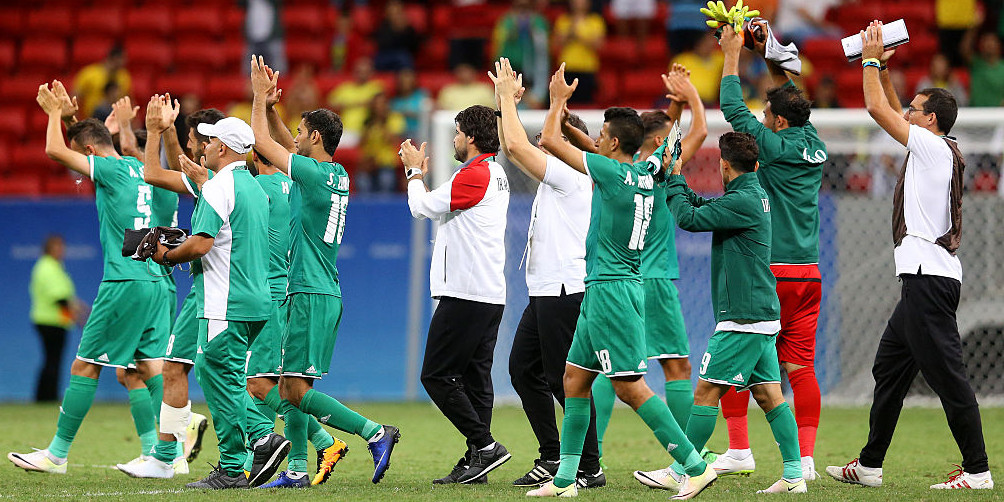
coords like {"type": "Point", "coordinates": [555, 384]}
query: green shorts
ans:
{"type": "Point", "coordinates": [265, 353]}
{"type": "Point", "coordinates": [610, 333]}
{"type": "Point", "coordinates": [184, 338]}
{"type": "Point", "coordinates": [664, 329]}
{"type": "Point", "coordinates": [741, 360]}
{"type": "Point", "coordinates": [311, 329]}
{"type": "Point", "coordinates": [222, 349]}
{"type": "Point", "coordinates": [128, 323]}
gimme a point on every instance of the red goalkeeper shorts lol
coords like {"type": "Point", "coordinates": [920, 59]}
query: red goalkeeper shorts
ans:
{"type": "Point", "coordinates": [800, 289]}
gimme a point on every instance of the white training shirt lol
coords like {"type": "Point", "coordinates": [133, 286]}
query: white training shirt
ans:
{"type": "Point", "coordinates": [926, 207]}
{"type": "Point", "coordinates": [556, 239]}
{"type": "Point", "coordinates": [468, 258]}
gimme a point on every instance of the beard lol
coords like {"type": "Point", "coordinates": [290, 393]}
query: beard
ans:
{"type": "Point", "coordinates": [460, 155]}
{"type": "Point", "coordinates": [303, 149]}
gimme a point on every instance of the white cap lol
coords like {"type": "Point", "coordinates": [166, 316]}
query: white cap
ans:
{"type": "Point", "coordinates": [232, 131]}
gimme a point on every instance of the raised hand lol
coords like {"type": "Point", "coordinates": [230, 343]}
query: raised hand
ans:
{"type": "Point", "coordinates": [561, 90]}
{"type": "Point", "coordinates": [261, 82]}
{"type": "Point", "coordinates": [69, 105]}
{"type": "Point", "coordinates": [195, 172]}
{"type": "Point", "coordinates": [273, 95]}
{"type": "Point", "coordinates": [679, 86]}
{"type": "Point", "coordinates": [171, 111]}
{"type": "Point", "coordinates": [112, 122]}
{"type": "Point", "coordinates": [414, 157]}
{"type": "Point", "coordinates": [871, 40]}
{"type": "Point", "coordinates": [507, 83]}
{"type": "Point", "coordinates": [48, 100]}
{"type": "Point", "coordinates": [154, 114]}
{"type": "Point", "coordinates": [124, 112]}
{"type": "Point", "coordinates": [731, 41]}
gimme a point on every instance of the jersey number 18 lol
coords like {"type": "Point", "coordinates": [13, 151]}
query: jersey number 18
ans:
{"type": "Point", "coordinates": [642, 217]}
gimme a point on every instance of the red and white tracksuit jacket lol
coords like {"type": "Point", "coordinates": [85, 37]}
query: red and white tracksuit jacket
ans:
{"type": "Point", "coordinates": [468, 258]}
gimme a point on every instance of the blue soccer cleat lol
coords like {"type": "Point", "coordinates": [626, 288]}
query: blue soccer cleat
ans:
{"type": "Point", "coordinates": [381, 450]}
{"type": "Point", "coordinates": [286, 481]}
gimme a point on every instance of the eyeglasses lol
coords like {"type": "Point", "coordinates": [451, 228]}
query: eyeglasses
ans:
{"type": "Point", "coordinates": [911, 109]}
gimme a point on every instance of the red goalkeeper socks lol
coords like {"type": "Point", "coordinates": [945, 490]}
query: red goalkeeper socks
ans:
{"type": "Point", "coordinates": [807, 403]}
{"type": "Point", "coordinates": [734, 408]}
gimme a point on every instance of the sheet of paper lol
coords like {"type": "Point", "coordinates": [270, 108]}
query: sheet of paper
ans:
{"type": "Point", "coordinates": [893, 34]}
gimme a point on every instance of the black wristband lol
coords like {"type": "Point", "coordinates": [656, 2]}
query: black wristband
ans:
{"type": "Point", "coordinates": [883, 67]}
{"type": "Point", "coordinates": [165, 259]}
{"type": "Point", "coordinates": [498, 113]}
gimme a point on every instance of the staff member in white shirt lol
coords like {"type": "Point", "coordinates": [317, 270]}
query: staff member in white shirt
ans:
{"type": "Point", "coordinates": [467, 276]}
{"type": "Point", "coordinates": [555, 271]}
{"type": "Point", "coordinates": [922, 334]}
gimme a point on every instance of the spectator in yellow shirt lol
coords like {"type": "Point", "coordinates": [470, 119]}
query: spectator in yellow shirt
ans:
{"type": "Point", "coordinates": [54, 308]}
{"type": "Point", "coordinates": [90, 82]}
{"type": "Point", "coordinates": [351, 99]}
{"type": "Point", "coordinates": [378, 171]}
{"type": "Point", "coordinates": [578, 35]}
{"type": "Point", "coordinates": [954, 18]}
{"type": "Point", "coordinates": [705, 63]}
{"type": "Point", "coordinates": [466, 91]}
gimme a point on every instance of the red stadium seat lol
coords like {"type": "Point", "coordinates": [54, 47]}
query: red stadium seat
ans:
{"type": "Point", "coordinates": [435, 52]}
{"type": "Point", "coordinates": [13, 121]}
{"type": "Point", "coordinates": [305, 20]}
{"type": "Point", "coordinates": [198, 54]}
{"type": "Point", "coordinates": [641, 89]}
{"type": "Point", "coordinates": [348, 158]}
{"type": "Point", "coordinates": [328, 81]}
{"type": "Point", "coordinates": [619, 53]}
{"type": "Point", "coordinates": [854, 17]}
{"type": "Point", "coordinates": [233, 53]}
{"type": "Point", "coordinates": [12, 22]}
{"type": "Point", "coordinates": [389, 81]}
{"type": "Point", "coordinates": [100, 21]}
{"type": "Point", "coordinates": [50, 21]}
{"type": "Point", "coordinates": [850, 90]}
{"type": "Point", "coordinates": [65, 185]}
{"type": "Point", "coordinates": [24, 185]}
{"type": "Point", "coordinates": [918, 15]}
{"type": "Point", "coordinates": [233, 20]}
{"type": "Point", "coordinates": [30, 158]}
{"type": "Point", "coordinates": [608, 87]}
{"type": "Point", "coordinates": [87, 50]}
{"type": "Point", "coordinates": [441, 18]}
{"type": "Point", "coordinates": [20, 89]}
{"type": "Point", "coordinates": [825, 54]}
{"type": "Point", "coordinates": [148, 54]}
{"type": "Point", "coordinates": [308, 50]}
{"type": "Point", "coordinates": [655, 53]}
{"type": "Point", "coordinates": [224, 89]}
{"type": "Point", "coordinates": [200, 21]}
{"type": "Point", "coordinates": [435, 81]}
{"type": "Point", "coordinates": [43, 55]}
{"type": "Point", "coordinates": [7, 58]}
{"type": "Point", "coordinates": [418, 16]}
{"type": "Point", "coordinates": [365, 20]}
{"type": "Point", "coordinates": [150, 20]}
{"type": "Point", "coordinates": [5, 168]}
{"type": "Point", "coordinates": [181, 83]}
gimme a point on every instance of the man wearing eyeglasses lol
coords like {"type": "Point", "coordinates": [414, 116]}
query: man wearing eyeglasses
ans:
{"type": "Point", "coordinates": [922, 334]}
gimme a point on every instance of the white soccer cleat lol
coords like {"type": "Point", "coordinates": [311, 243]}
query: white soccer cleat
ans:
{"type": "Point", "coordinates": [193, 436]}
{"type": "Point", "coordinates": [729, 463]}
{"type": "Point", "coordinates": [784, 486]}
{"type": "Point", "coordinates": [180, 465]}
{"type": "Point", "coordinates": [857, 474]}
{"type": "Point", "coordinates": [809, 469]}
{"type": "Point", "coordinates": [549, 490]}
{"type": "Point", "coordinates": [962, 480]}
{"type": "Point", "coordinates": [37, 461]}
{"type": "Point", "coordinates": [663, 479]}
{"type": "Point", "coordinates": [692, 486]}
{"type": "Point", "coordinates": [149, 468]}
{"type": "Point", "coordinates": [136, 461]}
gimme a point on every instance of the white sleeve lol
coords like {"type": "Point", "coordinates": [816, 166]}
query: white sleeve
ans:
{"type": "Point", "coordinates": [429, 204]}
{"type": "Point", "coordinates": [560, 176]}
{"type": "Point", "coordinates": [930, 150]}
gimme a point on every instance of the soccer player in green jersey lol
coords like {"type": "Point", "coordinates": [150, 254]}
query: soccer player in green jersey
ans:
{"type": "Point", "coordinates": [791, 171]}
{"type": "Point", "coordinates": [229, 230]}
{"type": "Point", "coordinates": [742, 352]}
{"type": "Point", "coordinates": [318, 201]}
{"type": "Point", "coordinates": [108, 339]}
{"type": "Point", "coordinates": [609, 335]}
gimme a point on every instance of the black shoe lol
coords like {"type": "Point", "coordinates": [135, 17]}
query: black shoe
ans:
{"type": "Point", "coordinates": [220, 480]}
{"type": "Point", "coordinates": [542, 472]}
{"type": "Point", "coordinates": [483, 462]}
{"type": "Point", "coordinates": [269, 451]}
{"type": "Point", "coordinates": [597, 480]}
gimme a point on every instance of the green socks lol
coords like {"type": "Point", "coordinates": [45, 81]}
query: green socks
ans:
{"type": "Point", "coordinates": [318, 437]}
{"type": "Point", "coordinates": [680, 398]}
{"type": "Point", "coordinates": [156, 387]}
{"type": "Point", "coordinates": [699, 429]}
{"type": "Point", "coordinates": [657, 417]}
{"type": "Point", "coordinates": [782, 424]}
{"type": "Point", "coordinates": [295, 430]}
{"type": "Point", "coordinates": [332, 413]}
{"type": "Point", "coordinates": [573, 435]}
{"type": "Point", "coordinates": [603, 399]}
{"type": "Point", "coordinates": [77, 401]}
{"type": "Point", "coordinates": [166, 451]}
{"type": "Point", "coordinates": [142, 417]}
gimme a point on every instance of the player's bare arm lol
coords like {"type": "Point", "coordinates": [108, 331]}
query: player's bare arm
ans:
{"type": "Point", "coordinates": [676, 100]}
{"type": "Point", "coordinates": [124, 114]}
{"type": "Point", "coordinates": [679, 84]}
{"type": "Point", "coordinates": [550, 137]}
{"type": "Point", "coordinates": [575, 136]}
{"type": "Point", "coordinates": [875, 97]}
{"type": "Point", "coordinates": [509, 87]}
{"type": "Point", "coordinates": [276, 128]}
{"type": "Point", "coordinates": [55, 144]}
{"type": "Point", "coordinates": [156, 128]}
{"type": "Point", "coordinates": [68, 104]}
{"type": "Point", "coordinates": [890, 90]}
{"type": "Point", "coordinates": [262, 85]}
{"type": "Point", "coordinates": [195, 247]}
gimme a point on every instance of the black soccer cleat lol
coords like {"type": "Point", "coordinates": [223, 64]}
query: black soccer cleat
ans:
{"type": "Point", "coordinates": [220, 480]}
{"type": "Point", "coordinates": [595, 480]}
{"type": "Point", "coordinates": [483, 462]}
{"type": "Point", "coordinates": [542, 472]}
{"type": "Point", "coordinates": [269, 451]}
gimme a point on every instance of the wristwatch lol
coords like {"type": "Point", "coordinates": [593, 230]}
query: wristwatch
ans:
{"type": "Point", "coordinates": [411, 172]}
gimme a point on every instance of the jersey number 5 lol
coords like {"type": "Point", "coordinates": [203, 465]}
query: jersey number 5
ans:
{"type": "Point", "coordinates": [642, 217]}
{"type": "Point", "coordinates": [336, 219]}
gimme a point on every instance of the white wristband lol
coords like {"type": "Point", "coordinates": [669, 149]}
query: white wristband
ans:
{"type": "Point", "coordinates": [412, 172]}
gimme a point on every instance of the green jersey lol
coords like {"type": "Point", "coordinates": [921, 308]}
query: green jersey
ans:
{"type": "Point", "coordinates": [233, 209]}
{"type": "Point", "coordinates": [658, 258]}
{"type": "Point", "coordinates": [742, 285]}
{"type": "Point", "coordinates": [277, 187]}
{"type": "Point", "coordinates": [124, 201]}
{"type": "Point", "coordinates": [791, 171]}
{"type": "Point", "coordinates": [317, 204]}
{"type": "Point", "coordinates": [620, 216]}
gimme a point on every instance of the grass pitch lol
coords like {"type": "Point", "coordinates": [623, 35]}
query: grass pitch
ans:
{"type": "Point", "coordinates": [922, 453]}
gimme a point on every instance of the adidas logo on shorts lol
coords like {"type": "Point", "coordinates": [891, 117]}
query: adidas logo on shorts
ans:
{"type": "Point", "coordinates": [103, 357]}
{"type": "Point", "coordinates": [311, 369]}
{"type": "Point", "coordinates": [738, 378]}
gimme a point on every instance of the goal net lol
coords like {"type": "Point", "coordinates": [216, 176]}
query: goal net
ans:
{"type": "Point", "coordinates": [856, 254]}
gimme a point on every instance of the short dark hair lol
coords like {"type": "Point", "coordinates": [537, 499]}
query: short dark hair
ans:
{"type": "Point", "coordinates": [789, 102]}
{"type": "Point", "coordinates": [478, 122]}
{"type": "Point", "coordinates": [261, 158]}
{"type": "Point", "coordinates": [203, 116]}
{"type": "Point", "coordinates": [654, 121]}
{"type": "Point", "coordinates": [577, 122]}
{"type": "Point", "coordinates": [943, 105]}
{"type": "Point", "coordinates": [326, 122]}
{"type": "Point", "coordinates": [140, 138]}
{"type": "Point", "coordinates": [739, 149]}
{"type": "Point", "coordinates": [89, 132]}
{"type": "Point", "coordinates": [626, 126]}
